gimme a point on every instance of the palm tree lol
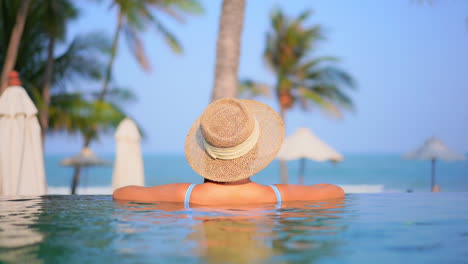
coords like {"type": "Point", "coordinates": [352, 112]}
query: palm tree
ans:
{"type": "Point", "coordinates": [45, 29]}
{"type": "Point", "coordinates": [58, 13]}
{"type": "Point", "coordinates": [14, 42]}
{"type": "Point", "coordinates": [74, 113]}
{"type": "Point", "coordinates": [132, 18]}
{"type": "Point", "coordinates": [228, 49]}
{"type": "Point", "coordinates": [80, 61]}
{"type": "Point", "coordinates": [301, 78]}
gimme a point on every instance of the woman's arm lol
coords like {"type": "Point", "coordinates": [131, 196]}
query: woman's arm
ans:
{"type": "Point", "coordinates": [162, 193]}
{"type": "Point", "coordinates": [324, 191]}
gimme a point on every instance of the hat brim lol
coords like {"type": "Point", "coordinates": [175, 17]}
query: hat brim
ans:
{"type": "Point", "coordinates": [269, 142]}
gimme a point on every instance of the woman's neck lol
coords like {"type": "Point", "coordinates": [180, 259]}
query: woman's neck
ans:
{"type": "Point", "coordinates": [243, 181]}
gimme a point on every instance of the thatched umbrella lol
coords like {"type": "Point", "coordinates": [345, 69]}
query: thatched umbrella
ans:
{"type": "Point", "coordinates": [86, 158]}
{"type": "Point", "coordinates": [305, 145]}
{"type": "Point", "coordinates": [433, 149]}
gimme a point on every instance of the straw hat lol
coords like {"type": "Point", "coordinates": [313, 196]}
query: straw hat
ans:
{"type": "Point", "coordinates": [234, 139]}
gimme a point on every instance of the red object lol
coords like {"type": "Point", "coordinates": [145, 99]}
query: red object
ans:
{"type": "Point", "coordinates": [13, 79]}
{"type": "Point", "coordinates": [286, 100]}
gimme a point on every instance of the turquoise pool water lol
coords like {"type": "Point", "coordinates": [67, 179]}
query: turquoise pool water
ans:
{"type": "Point", "coordinates": [362, 228]}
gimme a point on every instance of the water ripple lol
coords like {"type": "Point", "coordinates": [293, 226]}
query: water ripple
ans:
{"type": "Point", "coordinates": [358, 229]}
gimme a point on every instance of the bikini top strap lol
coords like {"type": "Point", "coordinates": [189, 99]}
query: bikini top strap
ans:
{"type": "Point", "coordinates": [278, 195]}
{"type": "Point", "coordinates": [187, 196]}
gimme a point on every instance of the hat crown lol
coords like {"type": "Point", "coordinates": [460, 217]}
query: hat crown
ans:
{"type": "Point", "coordinates": [227, 123]}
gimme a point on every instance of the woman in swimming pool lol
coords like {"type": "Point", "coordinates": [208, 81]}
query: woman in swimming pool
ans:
{"type": "Point", "coordinates": [231, 141]}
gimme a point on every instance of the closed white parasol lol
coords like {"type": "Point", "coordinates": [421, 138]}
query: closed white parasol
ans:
{"type": "Point", "coordinates": [21, 157]}
{"type": "Point", "coordinates": [128, 166]}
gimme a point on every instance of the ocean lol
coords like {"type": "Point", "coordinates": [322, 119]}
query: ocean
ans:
{"type": "Point", "coordinates": [358, 173]}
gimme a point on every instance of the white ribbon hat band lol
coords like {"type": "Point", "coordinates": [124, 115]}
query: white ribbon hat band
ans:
{"type": "Point", "coordinates": [236, 151]}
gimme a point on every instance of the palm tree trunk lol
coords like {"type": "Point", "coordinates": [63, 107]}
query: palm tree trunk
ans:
{"type": "Point", "coordinates": [13, 45]}
{"type": "Point", "coordinates": [283, 163]}
{"type": "Point", "coordinates": [228, 49]}
{"type": "Point", "coordinates": [76, 178]}
{"type": "Point", "coordinates": [77, 169]}
{"type": "Point", "coordinates": [433, 165]}
{"type": "Point", "coordinates": [115, 43]}
{"type": "Point", "coordinates": [302, 164]}
{"type": "Point", "coordinates": [44, 114]}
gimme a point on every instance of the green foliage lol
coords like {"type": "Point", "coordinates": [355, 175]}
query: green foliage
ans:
{"type": "Point", "coordinates": [74, 113]}
{"type": "Point", "coordinates": [249, 89]}
{"type": "Point", "coordinates": [79, 62]}
{"type": "Point", "coordinates": [34, 29]}
{"type": "Point", "coordinates": [308, 80]}
{"type": "Point", "coordinates": [119, 95]}
{"type": "Point", "coordinates": [138, 14]}
{"type": "Point", "coordinates": [59, 13]}
{"type": "Point", "coordinates": [289, 42]}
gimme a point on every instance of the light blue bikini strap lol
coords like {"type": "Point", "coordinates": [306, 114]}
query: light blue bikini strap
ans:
{"type": "Point", "coordinates": [187, 196]}
{"type": "Point", "coordinates": [278, 195]}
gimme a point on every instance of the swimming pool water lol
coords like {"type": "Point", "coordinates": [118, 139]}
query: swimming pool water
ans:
{"type": "Point", "coordinates": [362, 228]}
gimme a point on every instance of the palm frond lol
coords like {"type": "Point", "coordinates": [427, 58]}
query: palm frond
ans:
{"type": "Point", "coordinates": [59, 12]}
{"type": "Point", "coordinates": [325, 104]}
{"type": "Point", "coordinates": [301, 75]}
{"type": "Point", "coordinates": [303, 17]}
{"type": "Point", "coordinates": [249, 89]}
{"type": "Point", "coordinates": [75, 114]}
{"type": "Point", "coordinates": [187, 6]}
{"type": "Point", "coordinates": [170, 39]}
{"type": "Point", "coordinates": [81, 60]}
{"type": "Point", "coordinates": [136, 47]}
{"type": "Point", "coordinates": [139, 14]}
{"type": "Point", "coordinates": [118, 96]}
{"type": "Point", "coordinates": [177, 9]}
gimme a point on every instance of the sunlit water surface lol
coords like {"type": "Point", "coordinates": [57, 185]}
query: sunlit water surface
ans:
{"type": "Point", "coordinates": [365, 228]}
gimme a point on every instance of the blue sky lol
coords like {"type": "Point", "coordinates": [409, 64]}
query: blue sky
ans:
{"type": "Point", "coordinates": [410, 62]}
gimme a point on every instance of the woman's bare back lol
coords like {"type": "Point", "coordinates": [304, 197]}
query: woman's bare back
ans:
{"type": "Point", "coordinates": [218, 194]}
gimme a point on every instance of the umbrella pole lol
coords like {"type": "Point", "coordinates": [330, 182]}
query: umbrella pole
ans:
{"type": "Point", "coordinates": [301, 171]}
{"type": "Point", "coordinates": [433, 165]}
{"type": "Point", "coordinates": [76, 177]}
{"type": "Point", "coordinates": [283, 171]}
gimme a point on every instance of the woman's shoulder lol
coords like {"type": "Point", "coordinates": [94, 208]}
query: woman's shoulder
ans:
{"type": "Point", "coordinates": [323, 191]}
{"type": "Point", "coordinates": [173, 192]}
